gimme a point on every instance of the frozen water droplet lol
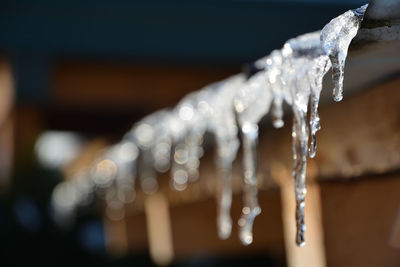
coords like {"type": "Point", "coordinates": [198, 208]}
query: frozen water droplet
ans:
{"type": "Point", "coordinates": [246, 237]}
{"type": "Point", "coordinates": [277, 114]}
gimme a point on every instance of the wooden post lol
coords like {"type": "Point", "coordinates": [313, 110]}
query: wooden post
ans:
{"type": "Point", "coordinates": [159, 229]}
{"type": "Point", "coordinates": [313, 253]}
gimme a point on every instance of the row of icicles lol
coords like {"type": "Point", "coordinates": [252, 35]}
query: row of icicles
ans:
{"type": "Point", "coordinates": [172, 139]}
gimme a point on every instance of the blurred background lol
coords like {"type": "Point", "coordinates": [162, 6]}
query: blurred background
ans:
{"type": "Point", "coordinates": [76, 75]}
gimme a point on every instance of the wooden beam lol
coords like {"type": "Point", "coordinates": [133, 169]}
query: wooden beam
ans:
{"type": "Point", "coordinates": [143, 88]}
{"type": "Point", "coordinates": [6, 122]}
{"type": "Point", "coordinates": [360, 217]}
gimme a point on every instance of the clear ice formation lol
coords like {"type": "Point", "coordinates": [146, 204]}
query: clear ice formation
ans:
{"type": "Point", "coordinates": [251, 103]}
{"type": "Point", "coordinates": [291, 75]}
{"type": "Point", "coordinates": [336, 37]}
{"type": "Point", "coordinates": [148, 134]}
{"type": "Point", "coordinates": [222, 124]}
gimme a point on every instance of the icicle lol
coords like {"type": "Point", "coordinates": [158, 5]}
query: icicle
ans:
{"type": "Point", "coordinates": [300, 89]}
{"type": "Point", "coordinates": [226, 152]}
{"type": "Point", "coordinates": [144, 134]}
{"type": "Point", "coordinates": [192, 113]}
{"type": "Point", "coordinates": [179, 173]}
{"type": "Point", "coordinates": [162, 154]}
{"type": "Point", "coordinates": [153, 135]}
{"type": "Point", "coordinates": [298, 54]}
{"type": "Point", "coordinates": [189, 116]}
{"type": "Point", "coordinates": [314, 124]}
{"type": "Point", "coordinates": [194, 142]}
{"type": "Point", "coordinates": [224, 162]}
{"type": "Point", "coordinates": [251, 208]}
{"type": "Point", "coordinates": [161, 148]}
{"type": "Point", "coordinates": [115, 173]}
{"type": "Point", "coordinates": [336, 37]}
{"type": "Point", "coordinates": [300, 145]}
{"type": "Point", "coordinates": [322, 65]}
{"type": "Point", "coordinates": [125, 157]}
{"type": "Point", "coordinates": [223, 124]}
{"type": "Point", "coordinates": [273, 71]}
{"type": "Point", "coordinates": [252, 102]}
{"type": "Point", "coordinates": [186, 159]}
{"type": "Point", "coordinates": [305, 66]}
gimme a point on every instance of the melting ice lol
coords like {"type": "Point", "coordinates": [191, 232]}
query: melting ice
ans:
{"type": "Point", "coordinates": [292, 74]}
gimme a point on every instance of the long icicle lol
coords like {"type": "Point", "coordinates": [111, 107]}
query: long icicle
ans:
{"type": "Point", "coordinates": [251, 208]}
{"type": "Point", "coordinates": [252, 103]}
{"type": "Point", "coordinates": [300, 92]}
{"type": "Point", "coordinates": [300, 146]}
{"type": "Point", "coordinates": [224, 201]}
{"type": "Point", "coordinates": [322, 65]}
{"type": "Point", "coordinates": [223, 124]}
